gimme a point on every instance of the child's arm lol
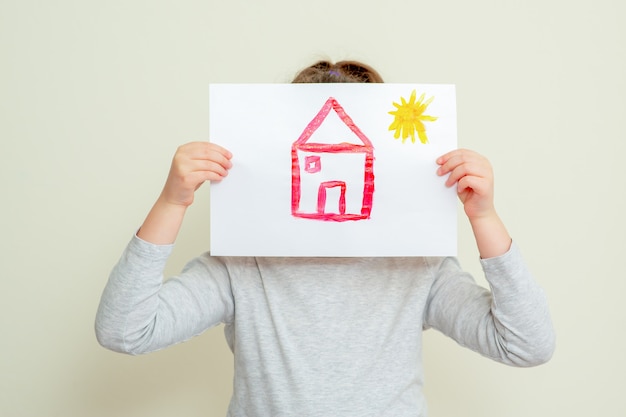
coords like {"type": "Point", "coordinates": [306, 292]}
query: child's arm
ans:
{"type": "Point", "coordinates": [473, 176]}
{"type": "Point", "coordinates": [511, 323]}
{"type": "Point", "coordinates": [192, 165]}
{"type": "Point", "coordinates": [139, 311]}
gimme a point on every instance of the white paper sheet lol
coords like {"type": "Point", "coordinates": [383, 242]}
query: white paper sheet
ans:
{"type": "Point", "coordinates": [317, 172]}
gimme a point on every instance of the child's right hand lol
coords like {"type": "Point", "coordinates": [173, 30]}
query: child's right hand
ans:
{"type": "Point", "coordinates": [192, 165]}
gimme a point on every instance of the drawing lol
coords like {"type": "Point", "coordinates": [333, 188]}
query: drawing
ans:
{"type": "Point", "coordinates": [329, 193]}
{"type": "Point", "coordinates": [409, 117]}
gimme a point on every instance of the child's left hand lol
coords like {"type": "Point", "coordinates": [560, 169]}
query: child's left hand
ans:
{"type": "Point", "coordinates": [473, 175]}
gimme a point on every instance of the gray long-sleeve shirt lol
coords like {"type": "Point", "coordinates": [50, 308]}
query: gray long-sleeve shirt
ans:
{"type": "Point", "coordinates": [325, 336]}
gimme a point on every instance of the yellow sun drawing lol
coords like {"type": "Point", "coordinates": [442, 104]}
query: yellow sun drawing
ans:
{"type": "Point", "coordinates": [409, 118]}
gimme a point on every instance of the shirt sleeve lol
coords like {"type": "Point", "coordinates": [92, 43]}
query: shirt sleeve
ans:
{"type": "Point", "coordinates": [509, 323]}
{"type": "Point", "coordinates": [139, 312]}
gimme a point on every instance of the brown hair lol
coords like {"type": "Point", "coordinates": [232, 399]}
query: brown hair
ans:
{"type": "Point", "coordinates": [341, 72]}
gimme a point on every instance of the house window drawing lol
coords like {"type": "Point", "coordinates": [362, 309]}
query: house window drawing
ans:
{"type": "Point", "coordinates": [332, 180]}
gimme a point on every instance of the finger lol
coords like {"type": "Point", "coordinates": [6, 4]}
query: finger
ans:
{"type": "Point", "coordinates": [453, 153]}
{"type": "Point", "coordinates": [456, 165]}
{"type": "Point", "coordinates": [465, 163]}
{"type": "Point", "coordinates": [476, 184]}
{"type": "Point", "coordinates": [214, 153]}
{"type": "Point", "coordinates": [202, 150]}
{"type": "Point", "coordinates": [197, 162]}
{"type": "Point", "coordinates": [203, 165]}
{"type": "Point", "coordinates": [215, 172]}
{"type": "Point", "coordinates": [197, 178]}
{"type": "Point", "coordinates": [221, 150]}
{"type": "Point", "coordinates": [457, 173]}
{"type": "Point", "coordinates": [451, 160]}
{"type": "Point", "coordinates": [470, 169]}
{"type": "Point", "coordinates": [208, 149]}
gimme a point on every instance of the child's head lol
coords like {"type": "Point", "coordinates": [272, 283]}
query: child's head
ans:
{"type": "Point", "coordinates": [341, 72]}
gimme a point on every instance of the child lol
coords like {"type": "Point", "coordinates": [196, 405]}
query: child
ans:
{"type": "Point", "coordinates": [325, 336]}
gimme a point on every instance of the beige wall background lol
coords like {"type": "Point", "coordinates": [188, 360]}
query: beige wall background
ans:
{"type": "Point", "coordinates": [96, 96]}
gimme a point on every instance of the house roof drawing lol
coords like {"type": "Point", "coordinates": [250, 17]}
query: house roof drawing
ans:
{"type": "Point", "coordinates": [308, 158]}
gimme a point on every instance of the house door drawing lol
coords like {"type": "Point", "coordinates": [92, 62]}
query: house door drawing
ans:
{"type": "Point", "coordinates": [312, 162]}
{"type": "Point", "coordinates": [337, 204]}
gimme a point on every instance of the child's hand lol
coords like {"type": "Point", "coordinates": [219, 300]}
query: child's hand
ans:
{"type": "Point", "coordinates": [192, 165]}
{"type": "Point", "coordinates": [474, 178]}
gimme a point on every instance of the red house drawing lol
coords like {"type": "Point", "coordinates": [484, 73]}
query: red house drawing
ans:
{"type": "Point", "coordinates": [309, 160]}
